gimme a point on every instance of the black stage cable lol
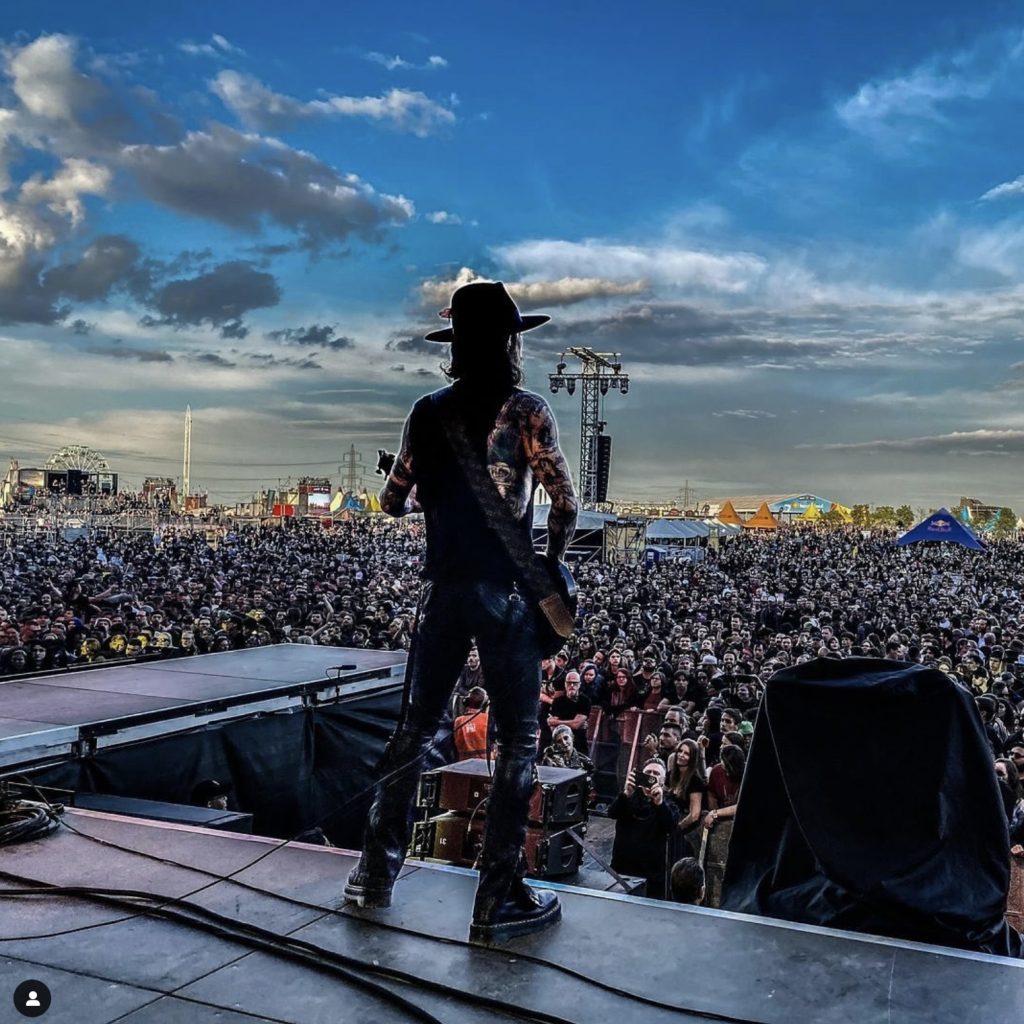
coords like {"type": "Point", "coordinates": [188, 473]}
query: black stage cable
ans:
{"type": "Point", "coordinates": [526, 957]}
{"type": "Point", "coordinates": [182, 912]}
{"type": "Point", "coordinates": [23, 820]}
{"type": "Point", "coordinates": [276, 846]}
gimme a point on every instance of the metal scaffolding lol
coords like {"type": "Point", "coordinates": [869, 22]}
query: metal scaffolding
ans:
{"type": "Point", "coordinates": [599, 372]}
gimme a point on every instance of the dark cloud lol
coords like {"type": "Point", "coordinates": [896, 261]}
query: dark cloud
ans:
{"type": "Point", "coordinates": [81, 327]}
{"type": "Point", "coordinates": [314, 336]}
{"type": "Point", "coordinates": [245, 181]}
{"type": "Point", "coordinates": [118, 350]}
{"type": "Point", "coordinates": [24, 297]}
{"type": "Point", "coordinates": [31, 293]}
{"type": "Point", "coordinates": [681, 335]}
{"type": "Point", "coordinates": [268, 360]}
{"type": "Point", "coordinates": [109, 262]}
{"type": "Point", "coordinates": [212, 359]}
{"type": "Point", "coordinates": [220, 298]}
{"type": "Point", "coordinates": [234, 329]}
{"type": "Point", "coordinates": [414, 344]}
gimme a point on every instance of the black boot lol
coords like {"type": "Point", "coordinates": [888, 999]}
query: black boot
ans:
{"type": "Point", "coordinates": [389, 824]}
{"type": "Point", "coordinates": [361, 891]}
{"type": "Point", "coordinates": [525, 910]}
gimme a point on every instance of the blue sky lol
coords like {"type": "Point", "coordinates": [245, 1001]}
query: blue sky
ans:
{"type": "Point", "coordinates": [802, 226]}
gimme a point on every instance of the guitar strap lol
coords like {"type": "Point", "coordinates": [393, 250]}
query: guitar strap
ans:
{"type": "Point", "coordinates": [502, 522]}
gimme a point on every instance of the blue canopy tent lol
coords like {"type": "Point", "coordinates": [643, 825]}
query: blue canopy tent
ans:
{"type": "Point", "coordinates": [942, 526]}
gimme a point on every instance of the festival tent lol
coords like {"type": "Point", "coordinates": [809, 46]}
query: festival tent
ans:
{"type": "Point", "coordinates": [661, 530]}
{"type": "Point", "coordinates": [676, 539]}
{"type": "Point", "coordinates": [588, 538]}
{"type": "Point", "coordinates": [942, 526]}
{"type": "Point", "coordinates": [846, 513]}
{"type": "Point", "coordinates": [812, 515]}
{"type": "Point", "coordinates": [764, 520]}
{"type": "Point", "coordinates": [728, 514]}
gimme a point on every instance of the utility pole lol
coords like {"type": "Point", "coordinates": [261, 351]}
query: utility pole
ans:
{"type": "Point", "coordinates": [186, 462]}
{"type": "Point", "coordinates": [351, 471]}
{"type": "Point", "coordinates": [599, 372]}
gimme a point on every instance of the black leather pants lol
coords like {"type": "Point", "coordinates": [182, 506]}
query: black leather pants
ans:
{"type": "Point", "coordinates": [506, 635]}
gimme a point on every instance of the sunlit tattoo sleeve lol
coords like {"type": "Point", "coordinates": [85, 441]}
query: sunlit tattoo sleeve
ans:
{"type": "Point", "coordinates": [398, 498]}
{"type": "Point", "coordinates": [551, 471]}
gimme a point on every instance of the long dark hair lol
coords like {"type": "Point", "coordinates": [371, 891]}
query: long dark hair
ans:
{"type": "Point", "coordinates": [492, 361]}
{"type": "Point", "coordinates": [679, 778]}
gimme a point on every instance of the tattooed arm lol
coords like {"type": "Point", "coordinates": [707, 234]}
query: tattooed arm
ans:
{"type": "Point", "coordinates": [398, 498]}
{"type": "Point", "coordinates": [550, 470]}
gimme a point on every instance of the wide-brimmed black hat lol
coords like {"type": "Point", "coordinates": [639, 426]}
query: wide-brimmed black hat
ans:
{"type": "Point", "coordinates": [485, 305]}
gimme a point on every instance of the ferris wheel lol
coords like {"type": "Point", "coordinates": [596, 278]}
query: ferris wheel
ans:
{"type": "Point", "coordinates": [79, 457]}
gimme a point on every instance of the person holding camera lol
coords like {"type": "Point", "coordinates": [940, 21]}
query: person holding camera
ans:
{"type": "Point", "coordinates": [645, 816]}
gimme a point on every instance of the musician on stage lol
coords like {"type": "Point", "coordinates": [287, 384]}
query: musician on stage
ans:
{"type": "Point", "coordinates": [474, 590]}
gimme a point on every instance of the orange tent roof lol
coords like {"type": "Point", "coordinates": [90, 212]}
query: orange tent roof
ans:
{"type": "Point", "coordinates": [727, 514]}
{"type": "Point", "coordinates": [763, 520]}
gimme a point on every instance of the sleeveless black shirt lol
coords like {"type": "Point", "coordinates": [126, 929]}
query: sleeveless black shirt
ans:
{"type": "Point", "coordinates": [460, 544]}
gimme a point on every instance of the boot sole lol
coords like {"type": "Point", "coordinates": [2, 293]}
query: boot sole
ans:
{"type": "Point", "coordinates": [490, 933]}
{"type": "Point", "coordinates": [367, 899]}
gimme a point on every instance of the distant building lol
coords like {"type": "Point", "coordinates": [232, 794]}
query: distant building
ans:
{"type": "Point", "coordinates": [976, 511]}
{"type": "Point", "coordinates": [160, 491]}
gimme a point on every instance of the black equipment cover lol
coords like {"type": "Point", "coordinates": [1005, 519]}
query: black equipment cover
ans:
{"type": "Point", "coordinates": [869, 802]}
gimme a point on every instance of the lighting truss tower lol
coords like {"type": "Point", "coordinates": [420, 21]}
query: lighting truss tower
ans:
{"type": "Point", "coordinates": [186, 460]}
{"type": "Point", "coordinates": [598, 372]}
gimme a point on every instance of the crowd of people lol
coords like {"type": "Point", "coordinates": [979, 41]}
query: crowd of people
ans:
{"type": "Point", "coordinates": [689, 642]}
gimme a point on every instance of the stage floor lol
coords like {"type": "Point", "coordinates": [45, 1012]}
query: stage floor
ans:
{"type": "Point", "coordinates": [715, 965]}
{"type": "Point", "coordinates": [44, 716]}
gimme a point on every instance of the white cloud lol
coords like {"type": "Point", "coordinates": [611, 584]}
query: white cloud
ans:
{"type": "Point", "coordinates": [260, 107]}
{"type": "Point", "coordinates": [226, 46]}
{"type": "Point", "coordinates": [63, 192]}
{"type": "Point", "coordinates": [899, 108]}
{"type": "Point", "coordinates": [559, 292]}
{"type": "Point", "coordinates": [46, 81]}
{"type": "Point", "coordinates": [745, 414]}
{"type": "Point", "coordinates": [974, 442]}
{"type": "Point", "coordinates": [732, 273]}
{"type": "Point", "coordinates": [1007, 190]}
{"type": "Point", "coordinates": [999, 248]}
{"type": "Point", "coordinates": [433, 63]}
{"type": "Point", "coordinates": [218, 46]}
{"type": "Point", "coordinates": [443, 217]}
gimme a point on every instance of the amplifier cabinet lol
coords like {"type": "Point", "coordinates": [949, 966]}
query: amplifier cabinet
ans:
{"type": "Point", "coordinates": [559, 795]}
{"type": "Point", "coordinates": [456, 839]}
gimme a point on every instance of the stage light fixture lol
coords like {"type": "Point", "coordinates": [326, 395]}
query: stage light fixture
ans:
{"type": "Point", "coordinates": [603, 385]}
{"type": "Point", "coordinates": [570, 385]}
{"type": "Point", "coordinates": [624, 386]}
{"type": "Point", "coordinates": [554, 386]}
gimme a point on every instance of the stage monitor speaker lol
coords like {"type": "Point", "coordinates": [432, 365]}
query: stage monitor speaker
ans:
{"type": "Point", "coordinates": [157, 810]}
{"type": "Point", "coordinates": [457, 839]}
{"type": "Point", "coordinates": [559, 795]}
